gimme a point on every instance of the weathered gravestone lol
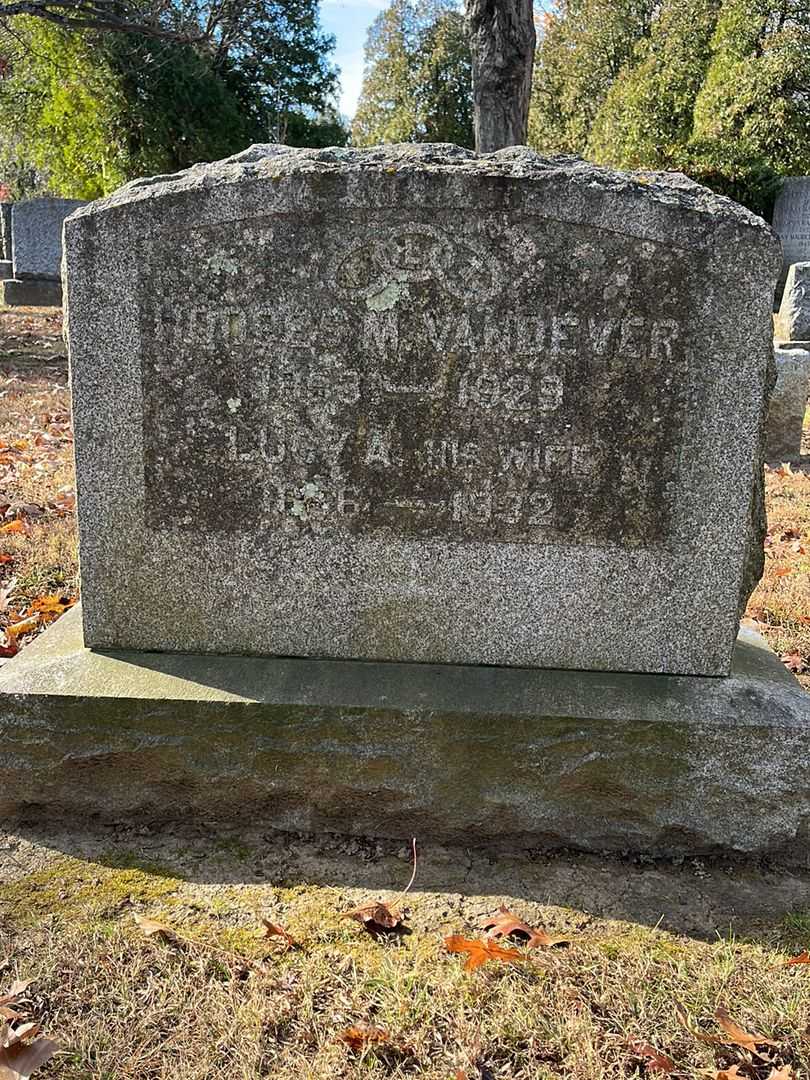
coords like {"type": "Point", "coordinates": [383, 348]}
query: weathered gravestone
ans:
{"type": "Point", "coordinates": [791, 223]}
{"type": "Point", "coordinates": [36, 228]}
{"type": "Point", "coordinates": [337, 408]}
{"type": "Point", "coordinates": [792, 321]}
{"type": "Point", "coordinates": [788, 403]}
{"type": "Point", "coordinates": [6, 267]}
{"type": "Point", "coordinates": [420, 406]}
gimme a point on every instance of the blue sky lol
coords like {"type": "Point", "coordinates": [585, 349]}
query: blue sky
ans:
{"type": "Point", "coordinates": [349, 20]}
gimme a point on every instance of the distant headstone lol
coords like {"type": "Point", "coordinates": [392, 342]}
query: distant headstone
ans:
{"type": "Point", "coordinates": [36, 226]}
{"type": "Point", "coordinates": [793, 318]}
{"type": "Point", "coordinates": [5, 231]}
{"type": "Point", "coordinates": [408, 403]}
{"type": "Point", "coordinates": [788, 404]}
{"type": "Point", "coordinates": [791, 223]}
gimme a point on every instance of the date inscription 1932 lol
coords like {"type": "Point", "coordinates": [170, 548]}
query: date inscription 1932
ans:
{"type": "Point", "coordinates": [517, 381]}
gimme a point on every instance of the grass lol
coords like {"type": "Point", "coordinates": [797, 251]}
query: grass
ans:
{"type": "Point", "coordinates": [219, 1000]}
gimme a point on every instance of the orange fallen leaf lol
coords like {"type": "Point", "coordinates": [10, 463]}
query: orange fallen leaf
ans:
{"type": "Point", "coordinates": [731, 1073]}
{"type": "Point", "coordinates": [782, 571]}
{"type": "Point", "coordinates": [738, 1035]}
{"type": "Point", "coordinates": [15, 526]}
{"type": "Point", "coordinates": [52, 606]}
{"type": "Point", "coordinates": [360, 1036]}
{"type": "Point", "coordinates": [274, 930]}
{"type": "Point", "coordinates": [480, 951]}
{"type": "Point", "coordinates": [6, 558]}
{"type": "Point", "coordinates": [375, 916]}
{"type": "Point", "coordinates": [505, 924]}
{"type": "Point", "coordinates": [785, 1073]}
{"type": "Point", "coordinates": [652, 1058]}
{"type": "Point", "coordinates": [24, 626]}
{"type": "Point", "coordinates": [802, 958]}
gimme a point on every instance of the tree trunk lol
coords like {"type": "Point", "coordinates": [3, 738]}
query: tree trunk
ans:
{"type": "Point", "coordinates": [502, 41]}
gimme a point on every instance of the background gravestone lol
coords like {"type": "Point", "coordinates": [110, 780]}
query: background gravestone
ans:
{"type": "Point", "coordinates": [791, 223]}
{"type": "Point", "coordinates": [408, 403]}
{"type": "Point", "coordinates": [36, 226]}
{"type": "Point", "coordinates": [793, 317]}
{"type": "Point", "coordinates": [788, 403]}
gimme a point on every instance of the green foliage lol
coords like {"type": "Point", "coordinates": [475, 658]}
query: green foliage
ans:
{"type": "Point", "coordinates": [80, 113]}
{"type": "Point", "coordinates": [719, 89]}
{"type": "Point", "coordinates": [418, 76]}
{"type": "Point", "coordinates": [583, 47]}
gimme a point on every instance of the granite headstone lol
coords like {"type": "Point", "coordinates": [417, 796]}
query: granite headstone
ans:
{"type": "Point", "coordinates": [791, 223]}
{"type": "Point", "coordinates": [36, 226]}
{"type": "Point", "coordinates": [788, 404]}
{"type": "Point", "coordinates": [411, 403]}
{"type": "Point", "coordinates": [793, 317]}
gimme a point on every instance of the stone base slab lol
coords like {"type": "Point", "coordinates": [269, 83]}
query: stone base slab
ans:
{"type": "Point", "coordinates": [40, 292]}
{"type": "Point", "coordinates": [6, 269]}
{"type": "Point", "coordinates": [644, 763]}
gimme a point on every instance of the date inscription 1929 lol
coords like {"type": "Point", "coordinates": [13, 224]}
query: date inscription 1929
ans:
{"type": "Point", "coordinates": [510, 381]}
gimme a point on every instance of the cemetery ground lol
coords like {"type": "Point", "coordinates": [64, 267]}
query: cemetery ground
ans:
{"type": "Point", "coordinates": [149, 956]}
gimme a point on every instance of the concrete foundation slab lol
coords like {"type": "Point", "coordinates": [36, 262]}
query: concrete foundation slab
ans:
{"type": "Point", "coordinates": [31, 293]}
{"type": "Point", "coordinates": [665, 764]}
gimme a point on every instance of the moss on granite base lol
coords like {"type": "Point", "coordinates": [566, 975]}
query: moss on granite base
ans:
{"type": "Point", "coordinates": [646, 763]}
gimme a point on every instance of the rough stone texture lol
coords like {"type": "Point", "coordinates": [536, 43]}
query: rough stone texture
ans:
{"type": "Point", "coordinates": [42, 293]}
{"type": "Point", "coordinates": [409, 403]}
{"type": "Point", "coordinates": [36, 227]}
{"type": "Point", "coordinates": [787, 404]}
{"type": "Point", "coordinates": [793, 319]}
{"type": "Point", "coordinates": [658, 763]}
{"type": "Point", "coordinates": [5, 230]}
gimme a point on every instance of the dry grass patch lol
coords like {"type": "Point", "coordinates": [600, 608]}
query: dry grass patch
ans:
{"type": "Point", "coordinates": [218, 999]}
{"type": "Point", "coordinates": [780, 606]}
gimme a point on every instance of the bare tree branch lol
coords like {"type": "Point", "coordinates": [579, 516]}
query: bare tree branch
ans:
{"type": "Point", "coordinates": [106, 15]}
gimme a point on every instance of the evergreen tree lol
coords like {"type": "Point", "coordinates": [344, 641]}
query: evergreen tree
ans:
{"type": "Point", "coordinates": [583, 47]}
{"type": "Point", "coordinates": [417, 83]}
{"type": "Point", "coordinates": [646, 117]}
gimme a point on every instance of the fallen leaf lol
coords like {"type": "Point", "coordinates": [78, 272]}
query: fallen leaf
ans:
{"type": "Point", "coordinates": [7, 651]}
{"type": "Point", "coordinates": [731, 1073]}
{"type": "Point", "coordinates": [739, 1036]}
{"type": "Point", "coordinates": [652, 1058]}
{"type": "Point", "coordinates": [24, 626]}
{"type": "Point", "coordinates": [21, 1052]}
{"type": "Point", "coordinates": [150, 927]}
{"type": "Point", "coordinates": [6, 558]}
{"type": "Point", "coordinates": [52, 606]}
{"type": "Point", "coordinates": [376, 917]}
{"type": "Point", "coordinates": [785, 1073]}
{"type": "Point", "coordinates": [795, 662]}
{"type": "Point", "coordinates": [505, 924]}
{"type": "Point", "coordinates": [15, 526]}
{"type": "Point", "coordinates": [802, 958]}
{"type": "Point", "coordinates": [782, 571]}
{"type": "Point", "coordinates": [784, 470]}
{"type": "Point", "coordinates": [274, 930]}
{"type": "Point", "coordinates": [480, 951]}
{"type": "Point", "coordinates": [359, 1037]}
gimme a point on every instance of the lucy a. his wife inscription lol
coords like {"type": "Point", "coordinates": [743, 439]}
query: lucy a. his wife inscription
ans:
{"type": "Point", "coordinates": [414, 404]}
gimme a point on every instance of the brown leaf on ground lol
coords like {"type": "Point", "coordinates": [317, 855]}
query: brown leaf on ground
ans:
{"type": "Point", "coordinates": [376, 917]}
{"type": "Point", "coordinates": [785, 1073]}
{"type": "Point", "coordinates": [15, 526]}
{"type": "Point", "coordinates": [653, 1059]}
{"type": "Point", "coordinates": [738, 1035]}
{"type": "Point", "coordinates": [802, 958]}
{"type": "Point", "coordinates": [478, 952]}
{"type": "Point", "coordinates": [274, 930]}
{"type": "Point", "coordinates": [730, 1073]}
{"type": "Point", "coordinates": [22, 1051]}
{"type": "Point", "coordinates": [505, 924]}
{"type": "Point", "coordinates": [795, 662]}
{"type": "Point", "coordinates": [151, 928]}
{"type": "Point", "coordinates": [359, 1037]}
